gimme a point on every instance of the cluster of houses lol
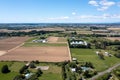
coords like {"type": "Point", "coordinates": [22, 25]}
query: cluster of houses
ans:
{"type": "Point", "coordinates": [78, 42]}
{"type": "Point", "coordinates": [82, 67]}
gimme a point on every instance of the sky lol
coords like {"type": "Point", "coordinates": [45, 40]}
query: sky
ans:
{"type": "Point", "coordinates": [59, 11]}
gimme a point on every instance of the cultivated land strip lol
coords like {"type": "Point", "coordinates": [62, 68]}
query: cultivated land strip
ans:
{"type": "Point", "coordinates": [45, 52]}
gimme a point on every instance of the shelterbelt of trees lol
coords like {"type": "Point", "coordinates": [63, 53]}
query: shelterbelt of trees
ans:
{"type": "Point", "coordinates": [34, 32]}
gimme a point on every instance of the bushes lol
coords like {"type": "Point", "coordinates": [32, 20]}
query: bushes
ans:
{"type": "Point", "coordinates": [5, 69]}
{"type": "Point", "coordinates": [19, 77]}
{"type": "Point", "coordinates": [39, 72]}
{"type": "Point", "coordinates": [32, 65]}
{"type": "Point", "coordinates": [23, 69]}
{"type": "Point", "coordinates": [117, 55]}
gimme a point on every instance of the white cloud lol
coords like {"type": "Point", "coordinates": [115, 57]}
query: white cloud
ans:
{"type": "Point", "coordinates": [73, 13]}
{"type": "Point", "coordinates": [103, 16]}
{"type": "Point", "coordinates": [103, 8]}
{"type": "Point", "coordinates": [106, 3]}
{"type": "Point", "coordinates": [93, 2]}
{"type": "Point", "coordinates": [102, 5]}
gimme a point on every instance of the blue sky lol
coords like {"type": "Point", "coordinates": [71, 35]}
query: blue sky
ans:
{"type": "Point", "coordinates": [59, 11]}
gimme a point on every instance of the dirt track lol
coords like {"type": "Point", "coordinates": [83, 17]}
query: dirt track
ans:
{"type": "Point", "coordinates": [45, 54]}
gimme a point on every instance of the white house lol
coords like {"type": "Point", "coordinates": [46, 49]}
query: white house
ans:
{"type": "Point", "coordinates": [73, 69]}
{"type": "Point", "coordinates": [78, 43]}
{"type": "Point", "coordinates": [41, 41]}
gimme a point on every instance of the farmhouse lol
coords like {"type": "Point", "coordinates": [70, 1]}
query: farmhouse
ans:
{"type": "Point", "coordinates": [78, 42]}
{"type": "Point", "coordinates": [73, 69]}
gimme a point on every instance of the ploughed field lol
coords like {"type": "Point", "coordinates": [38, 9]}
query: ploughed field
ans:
{"type": "Point", "coordinates": [42, 53]}
{"type": "Point", "coordinates": [45, 54]}
{"type": "Point", "coordinates": [113, 38]}
{"type": "Point", "coordinates": [10, 43]}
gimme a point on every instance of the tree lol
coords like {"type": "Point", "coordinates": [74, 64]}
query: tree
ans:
{"type": "Point", "coordinates": [86, 74]}
{"type": "Point", "coordinates": [39, 72]}
{"type": "Point", "coordinates": [19, 77]}
{"type": "Point", "coordinates": [32, 65]}
{"type": "Point", "coordinates": [5, 69]}
{"type": "Point", "coordinates": [22, 70]}
{"type": "Point", "coordinates": [118, 54]}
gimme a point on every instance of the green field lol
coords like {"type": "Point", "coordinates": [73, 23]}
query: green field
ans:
{"type": "Point", "coordinates": [53, 73]}
{"type": "Point", "coordinates": [14, 70]}
{"type": "Point", "coordinates": [89, 55]}
{"type": "Point", "coordinates": [43, 44]}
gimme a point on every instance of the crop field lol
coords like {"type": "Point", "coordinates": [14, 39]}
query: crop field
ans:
{"type": "Point", "coordinates": [9, 43]}
{"type": "Point", "coordinates": [56, 39]}
{"type": "Point", "coordinates": [114, 29]}
{"type": "Point", "coordinates": [55, 51]}
{"type": "Point", "coordinates": [44, 54]}
{"type": "Point", "coordinates": [84, 32]}
{"type": "Point", "coordinates": [89, 55]}
{"type": "Point", "coordinates": [113, 38]}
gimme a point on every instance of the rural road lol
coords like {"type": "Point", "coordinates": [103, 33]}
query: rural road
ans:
{"type": "Point", "coordinates": [104, 72]}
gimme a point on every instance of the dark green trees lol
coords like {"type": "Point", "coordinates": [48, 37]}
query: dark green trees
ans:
{"type": "Point", "coordinates": [5, 69]}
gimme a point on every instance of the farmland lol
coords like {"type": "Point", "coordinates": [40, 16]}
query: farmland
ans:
{"type": "Point", "coordinates": [14, 67]}
{"type": "Point", "coordinates": [9, 43]}
{"type": "Point", "coordinates": [52, 51]}
{"type": "Point", "coordinates": [54, 71]}
{"type": "Point", "coordinates": [113, 38]}
{"type": "Point", "coordinates": [89, 55]}
{"type": "Point", "coordinates": [44, 54]}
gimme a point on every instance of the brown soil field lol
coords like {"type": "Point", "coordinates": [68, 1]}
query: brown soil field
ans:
{"type": "Point", "coordinates": [84, 32]}
{"type": "Point", "coordinates": [113, 28]}
{"type": "Point", "coordinates": [44, 54]}
{"type": "Point", "coordinates": [52, 39]}
{"type": "Point", "coordinates": [9, 43]}
{"type": "Point", "coordinates": [113, 38]}
{"type": "Point", "coordinates": [2, 53]}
